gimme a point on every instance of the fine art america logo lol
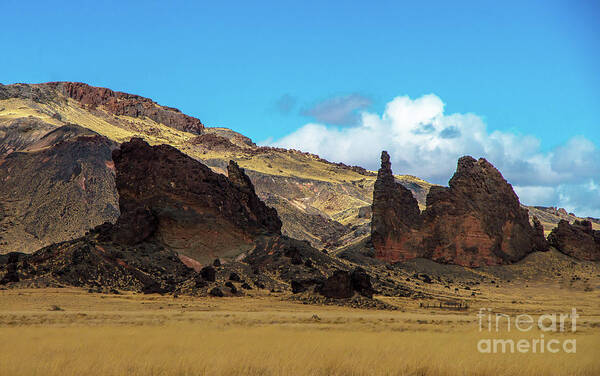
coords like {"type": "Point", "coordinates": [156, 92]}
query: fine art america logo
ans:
{"type": "Point", "coordinates": [492, 322]}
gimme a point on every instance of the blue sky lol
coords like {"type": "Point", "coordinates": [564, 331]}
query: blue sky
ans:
{"type": "Point", "coordinates": [268, 69]}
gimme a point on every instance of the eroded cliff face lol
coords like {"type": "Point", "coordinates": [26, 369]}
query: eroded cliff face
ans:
{"type": "Point", "coordinates": [124, 104]}
{"type": "Point", "coordinates": [578, 240]}
{"type": "Point", "coordinates": [476, 221]}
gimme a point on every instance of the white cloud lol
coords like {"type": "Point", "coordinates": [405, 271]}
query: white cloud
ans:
{"type": "Point", "coordinates": [424, 141]}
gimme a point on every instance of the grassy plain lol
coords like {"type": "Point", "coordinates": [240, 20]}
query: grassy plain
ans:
{"type": "Point", "coordinates": [71, 332]}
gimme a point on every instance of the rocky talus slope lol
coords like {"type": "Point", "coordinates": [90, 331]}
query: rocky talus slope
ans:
{"type": "Point", "coordinates": [476, 221]}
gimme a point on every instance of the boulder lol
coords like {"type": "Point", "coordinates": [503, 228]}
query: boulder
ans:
{"type": "Point", "coordinates": [153, 287]}
{"type": "Point", "coordinates": [199, 281]}
{"type": "Point", "coordinates": [361, 282]}
{"type": "Point", "coordinates": [338, 286]}
{"type": "Point", "coordinates": [11, 269]}
{"type": "Point", "coordinates": [208, 273]}
{"type": "Point", "coordinates": [231, 286]}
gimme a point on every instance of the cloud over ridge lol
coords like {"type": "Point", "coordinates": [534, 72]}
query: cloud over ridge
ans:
{"type": "Point", "coordinates": [425, 142]}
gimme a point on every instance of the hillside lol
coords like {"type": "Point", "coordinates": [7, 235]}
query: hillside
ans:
{"type": "Point", "coordinates": [324, 203]}
{"type": "Point", "coordinates": [56, 185]}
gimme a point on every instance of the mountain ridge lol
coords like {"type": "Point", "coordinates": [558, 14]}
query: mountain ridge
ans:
{"type": "Point", "coordinates": [327, 204]}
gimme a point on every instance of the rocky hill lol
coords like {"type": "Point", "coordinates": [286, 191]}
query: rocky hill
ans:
{"type": "Point", "coordinates": [187, 207]}
{"type": "Point", "coordinates": [551, 216]}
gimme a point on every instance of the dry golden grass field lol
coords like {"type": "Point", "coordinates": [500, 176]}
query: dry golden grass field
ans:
{"type": "Point", "coordinates": [71, 332]}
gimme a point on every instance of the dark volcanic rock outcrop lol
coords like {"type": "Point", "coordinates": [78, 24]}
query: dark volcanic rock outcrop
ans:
{"type": "Point", "coordinates": [578, 240]}
{"type": "Point", "coordinates": [475, 221]}
{"type": "Point", "coordinates": [190, 208]}
{"type": "Point", "coordinates": [338, 286]}
{"type": "Point", "coordinates": [343, 284]}
{"type": "Point", "coordinates": [259, 213]}
{"type": "Point", "coordinates": [539, 239]}
{"type": "Point", "coordinates": [87, 262]}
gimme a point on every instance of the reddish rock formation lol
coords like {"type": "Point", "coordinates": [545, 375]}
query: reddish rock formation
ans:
{"type": "Point", "coordinates": [192, 210]}
{"type": "Point", "coordinates": [540, 242]}
{"type": "Point", "coordinates": [125, 104]}
{"type": "Point", "coordinates": [394, 211]}
{"type": "Point", "coordinates": [476, 221]}
{"type": "Point", "coordinates": [578, 240]}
